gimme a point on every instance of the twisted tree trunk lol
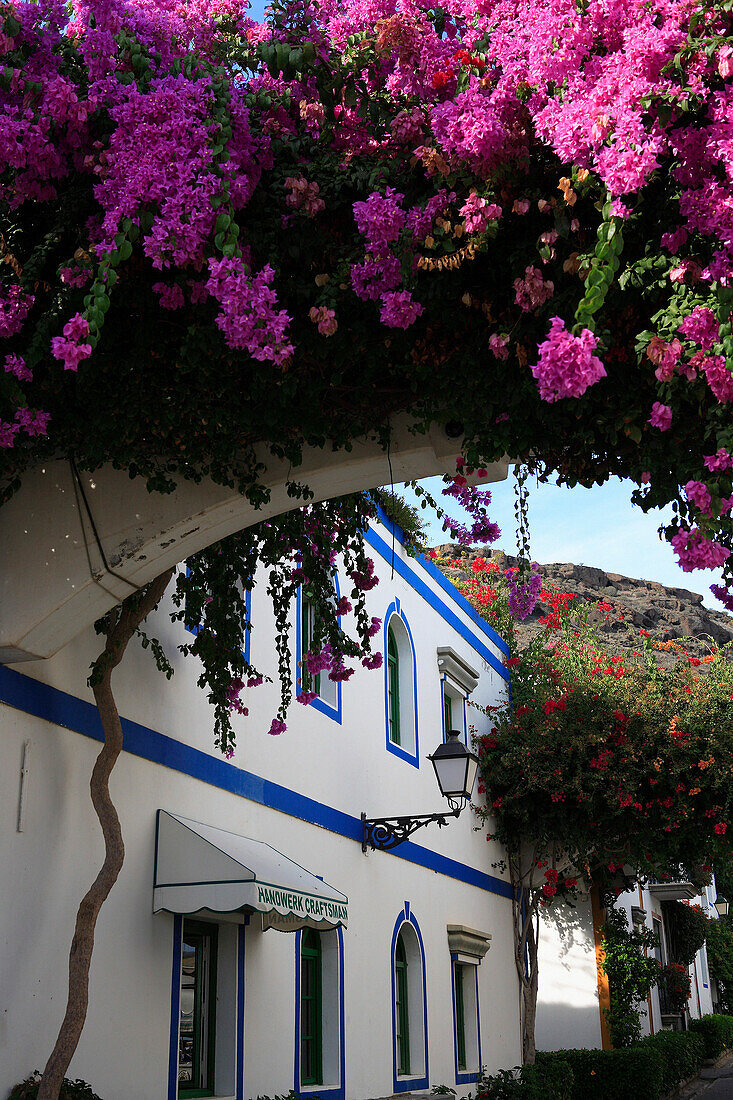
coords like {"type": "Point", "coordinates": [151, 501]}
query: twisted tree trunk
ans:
{"type": "Point", "coordinates": [122, 624]}
{"type": "Point", "coordinates": [526, 927]}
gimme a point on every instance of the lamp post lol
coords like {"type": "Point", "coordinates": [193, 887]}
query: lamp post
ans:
{"type": "Point", "coordinates": [722, 905]}
{"type": "Point", "coordinates": [455, 770]}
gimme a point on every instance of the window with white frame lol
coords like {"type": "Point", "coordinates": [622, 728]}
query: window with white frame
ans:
{"type": "Point", "coordinates": [327, 692]}
{"type": "Point", "coordinates": [458, 680]}
{"type": "Point", "coordinates": [206, 1015]}
{"type": "Point", "coordinates": [409, 1004]}
{"type": "Point", "coordinates": [467, 948]}
{"type": "Point", "coordinates": [319, 1009]}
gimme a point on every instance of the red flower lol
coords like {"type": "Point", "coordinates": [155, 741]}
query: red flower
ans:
{"type": "Point", "coordinates": [720, 828]}
{"type": "Point", "coordinates": [571, 882]}
{"type": "Point", "coordinates": [548, 890]}
{"type": "Point", "coordinates": [551, 874]}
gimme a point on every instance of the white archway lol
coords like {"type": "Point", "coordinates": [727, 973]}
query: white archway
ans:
{"type": "Point", "coordinates": [55, 582]}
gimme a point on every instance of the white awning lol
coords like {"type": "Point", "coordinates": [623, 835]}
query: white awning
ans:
{"type": "Point", "coordinates": [199, 867]}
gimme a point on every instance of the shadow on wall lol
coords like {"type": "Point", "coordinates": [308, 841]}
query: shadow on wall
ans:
{"type": "Point", "coordinates": [568, 1013]}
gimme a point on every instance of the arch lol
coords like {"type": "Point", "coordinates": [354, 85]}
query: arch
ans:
{"type": "Point", "coordinates": [409, 1004]}
{"type": "Point", "coordinates": [400, 687]}
{"type": "Point", "coordinates": [71, 573]}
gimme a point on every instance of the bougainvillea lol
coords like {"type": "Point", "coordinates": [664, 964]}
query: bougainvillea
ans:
{"type": "Point", "coordinates": [217, 233]}
{"type": "Point", "coordinates": [602, 768]}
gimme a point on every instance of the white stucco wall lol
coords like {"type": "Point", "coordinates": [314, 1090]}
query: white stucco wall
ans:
{"type": "Point", "coordinates": [568, 1012]}
{"type": "Point", "coordinates": [344, 768]}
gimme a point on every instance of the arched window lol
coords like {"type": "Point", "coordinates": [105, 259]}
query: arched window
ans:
{"type": "Point", "coordinates": [402, 1007]}
{"type": "Point", "coordinates": [393, 687]}
{"type": "Point", "coordinates": [409, 1006]}
{"type": "Point", "coordinates": [311, 1009]}
{"type": "Point", "coordinates": [400, 686]}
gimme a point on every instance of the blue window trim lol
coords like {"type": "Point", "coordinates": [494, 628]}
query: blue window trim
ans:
{"type": "Point", "coordinates": [239, 1078]}
{"type": "Point", "coordinates": [176, 1011]}
{"type": "Point", "coordinates": [40, 700]}
{"type": "Point", "coordinates": [334, 713]}
{"type": "Point", "coordinates": [339, 1091]}
{"type": "Point", "coordinates": [464, 1078]}
{"type": "Point", "coordinates": [397, 750]}
{"type": "Point", "coordinates": [175, 1008]}
{"type": "Point", "coordinates": [407, 1084]}
{"type": "Point", "coordinates": [385, 551]}
{"type": "Point", "coordinates": [248, 635]}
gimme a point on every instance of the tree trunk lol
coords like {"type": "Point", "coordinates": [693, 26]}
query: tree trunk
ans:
{"type": "Point", "coordinates": [123, 623]}
{"type": "Point", "coordinates": [526, 928]}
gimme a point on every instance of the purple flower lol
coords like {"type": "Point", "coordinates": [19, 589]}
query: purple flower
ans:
{"type": "Point", "coordinates": [700, 326]}
{"type": "Point", "coordinates": [694, 551]}
{"type": "Point", "coordinates": [398, 309]}
{"type": "Point", "coordinates": [523, 595]}
{"type": "Point", "coordinates": [699, 495]}
{"type": "Point", "coordinates": [723, 594]}
{"type": "Point", "coordinates": [15, 364]}
{"type": "Point", "coordinates": [661, 417]}
{"type": "Point", "coordinates": [374, 660]}
{"type": "Point", "coordinates": [306, 697]}
{"type": "Point", "coordinates": [721, 460]}
{"type": "Point", "coordinates": [567, 366]}
{"type": "Point", "coordinates": [277, 728]}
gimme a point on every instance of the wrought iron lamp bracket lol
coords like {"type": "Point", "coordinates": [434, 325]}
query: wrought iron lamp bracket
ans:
{"type": "Point", "coordinates": [385, 833]}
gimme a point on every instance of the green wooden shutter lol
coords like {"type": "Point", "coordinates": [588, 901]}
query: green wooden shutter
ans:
{"type": "Point", "coordinates": [393, 687]}
{"type": "Point", "coordinates": [459, 973]}
{"type": "Point", "coordinates": [402, 1010]}
{"type": "Point", "coordinates": [447, 712]}
{"type": "Point", "coordinates": [311, 1009]}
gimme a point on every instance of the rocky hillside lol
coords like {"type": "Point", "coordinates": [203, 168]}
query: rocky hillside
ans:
{"type": "Point", "coordinates": [666, 613]}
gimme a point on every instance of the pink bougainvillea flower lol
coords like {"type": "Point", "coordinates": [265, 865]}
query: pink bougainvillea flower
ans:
{"type": "Point", "coordinates": [695, 551]}
{"type": "Point", "coordinates": [661, 416]}
{"type": "Point", "coordinates": [699, 495]}
{"type": "Point", "coordinates": [566, 366]}
{"type": "Point", "coordinates": [721, 460]}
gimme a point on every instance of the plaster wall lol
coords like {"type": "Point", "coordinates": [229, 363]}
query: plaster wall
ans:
{"type": "Point", "coordinates": [568, 1012]}
{"type": "Point", "coordinates": [343, 767]}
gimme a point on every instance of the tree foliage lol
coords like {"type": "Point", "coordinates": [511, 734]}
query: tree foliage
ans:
{"type": "Point", "coordinates": [217, 233]}
{"type": "Point", "coordinates": [631, 974]}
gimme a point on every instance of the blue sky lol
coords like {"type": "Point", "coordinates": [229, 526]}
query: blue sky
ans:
{"type": "Point", "coordinates": [596, 526]}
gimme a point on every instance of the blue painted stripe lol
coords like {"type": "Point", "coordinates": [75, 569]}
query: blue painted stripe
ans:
{"type": "Point", "coordinates": [62, 709]}
{"type": "Point", "coordinates": [378, 544]}
{"type": "Point", "coordinates": [445, 584]}
{"type": "Point", "coordinates": [175, 1008]}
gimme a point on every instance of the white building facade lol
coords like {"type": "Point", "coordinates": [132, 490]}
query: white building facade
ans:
{"type": "Point", "coordinates": [573, 990]}
{"type": "Point", "coordinates": [250, 947]}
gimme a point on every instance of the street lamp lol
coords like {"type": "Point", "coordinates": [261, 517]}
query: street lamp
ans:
{"type": "Point", "coordinates": [455, 770]}
{"type": "Point", "coordinates": [722, 905]}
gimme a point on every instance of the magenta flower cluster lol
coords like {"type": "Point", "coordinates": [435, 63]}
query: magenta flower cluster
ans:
{"type": "Point", "coordinates": [566, 366]}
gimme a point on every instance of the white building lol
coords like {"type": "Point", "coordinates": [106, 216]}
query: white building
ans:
{"type": "Point", "coordinates": [273, 953]}
{"type": "Point", "coordinates": [573, 990]}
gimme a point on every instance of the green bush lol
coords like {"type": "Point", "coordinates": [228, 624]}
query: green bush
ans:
{"type": "Point", "coordinates": [681, 1053]}
{"type": "Point", "coordinates": [551, 1081]}
{"type": "Point", "coordinates": [611, 1074]}
{"type": "Point", "coordinates": [716, 1033]}
{"type": "Point", "coordinates": [70, 1090]}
